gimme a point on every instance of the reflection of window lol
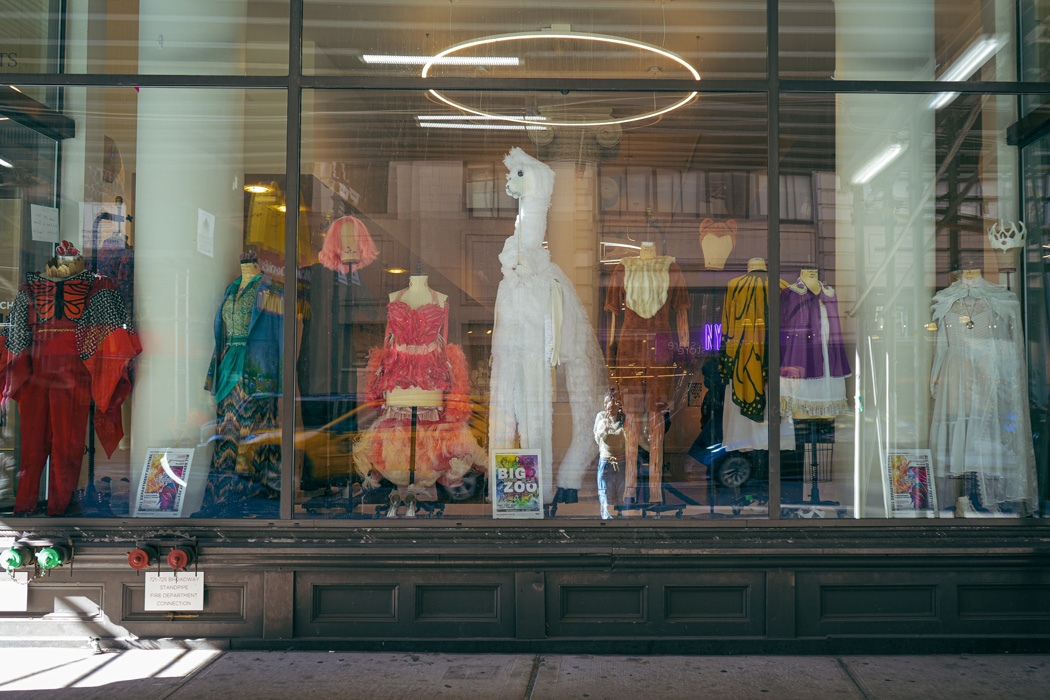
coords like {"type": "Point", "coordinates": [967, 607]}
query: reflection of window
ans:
{"type": "Point", "coordinates": [719, 194]}
{"type": "Point", "coordinates": [486, 192]}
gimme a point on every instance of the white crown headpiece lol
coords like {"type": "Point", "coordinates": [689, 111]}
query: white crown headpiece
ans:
{"type": "Point", "coordinates": [1007, 235]}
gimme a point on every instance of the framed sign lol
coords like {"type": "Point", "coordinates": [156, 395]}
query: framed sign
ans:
{"type": "Point", "coordinates": [516, 490]}
{"type": "Point", "coordinates": [162, 487]}
{"type": "Point", "coordinates": [909, 477]}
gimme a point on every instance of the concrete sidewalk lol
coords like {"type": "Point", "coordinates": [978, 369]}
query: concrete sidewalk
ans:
{"type": "Point", "coordinates": [58, 674]}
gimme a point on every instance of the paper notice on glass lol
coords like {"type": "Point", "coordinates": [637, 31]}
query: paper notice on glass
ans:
{"type": "Point", "coordinates": [205, 233]}
{"type": "Point", "coordinates": [44, 223]}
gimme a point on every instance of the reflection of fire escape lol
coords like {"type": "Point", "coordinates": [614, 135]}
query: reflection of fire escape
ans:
{"type": "Point", "coordinates": [960, 200]}
{"type": "Point", "coordinates": [952, 206]}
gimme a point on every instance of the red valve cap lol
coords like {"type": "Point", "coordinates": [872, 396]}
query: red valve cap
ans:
{"type": "Point", "coordinates": [178, 559]}
{"type": "Point", "coordinates": [139, 559]}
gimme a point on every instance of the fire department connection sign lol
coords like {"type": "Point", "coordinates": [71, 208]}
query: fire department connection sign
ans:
{"type": "Point", "coordinates": [174, 592]}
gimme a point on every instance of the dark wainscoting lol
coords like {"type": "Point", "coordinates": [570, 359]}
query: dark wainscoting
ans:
{"type": "Point", "coordinates": [666, 587]}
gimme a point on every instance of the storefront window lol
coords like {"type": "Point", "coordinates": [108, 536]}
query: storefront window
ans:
{"type": "Point", "coordinates": [903, 361]}
{"type": "Point", "coordinates": [898, 40]}
{"type": "Point", "coordinates": [430, 307]}
{"type": "Point", "coordinates": [543, 267]}
{"type": "Point", "coordinates": [117, 276]}
{"type": "Point", "coordinates": [548, 39]}
{"type": "Point", "coordinates": [190, 37]}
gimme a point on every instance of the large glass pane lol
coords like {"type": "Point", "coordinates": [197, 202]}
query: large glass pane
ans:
{"type": "Point", "coordinates": [952, 40]}
{"type": "Point", "coordinates": [189, 37]}
{"type": "Point", "coordinates": [548, 39]}
{"type": "Point", "coordinates": [428, 316]}
{"type": "Point", "coordinates": [903, 343]}
{"type": "Point", "coordinates": [129, 333]}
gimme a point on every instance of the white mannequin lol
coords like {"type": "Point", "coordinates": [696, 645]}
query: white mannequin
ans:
{"type": "Point", "coordinates": [418, 293]}
{"type": "Point", "coordinates": [349, 243]}
{"type": "Point", "coordinates": [810, 276]}
{"type": "Point", "coordinates": [756, 265]}
{"type": "Point", "coordinates": [249, 270]}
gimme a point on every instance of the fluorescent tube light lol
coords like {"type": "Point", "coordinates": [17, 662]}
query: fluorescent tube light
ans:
{"type": "Point", "coordinates": [966, 65]}
{"type": "Point", "coordinates": [5, 164]}
{"type": "Point", "coordinates": [481, 127]}
{"type": "Point", "coordinates": [471, 118]}
{"type": "Point", "coordinates": [876, 165]}
{"type": "Point", "coordinates": [442, 61]}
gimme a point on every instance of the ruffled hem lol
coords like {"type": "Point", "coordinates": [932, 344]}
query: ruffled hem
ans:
{"type": "Point", "coordinates": [814, 409]}
{"type": "Point", "coordinates": [446, 449]}
{"type": "Point", "coordinates": [444, 452]}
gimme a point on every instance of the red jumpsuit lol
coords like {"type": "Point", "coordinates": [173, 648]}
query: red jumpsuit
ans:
{"type": "Point", "coordinates": [67, 342]}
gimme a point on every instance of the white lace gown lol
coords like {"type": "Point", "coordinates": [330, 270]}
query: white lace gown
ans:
{"type": "Point", "coordinates": [979, 381]}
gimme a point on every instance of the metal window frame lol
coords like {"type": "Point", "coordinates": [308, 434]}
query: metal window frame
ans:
{"type": "Point", "coordinates": [58, 126]}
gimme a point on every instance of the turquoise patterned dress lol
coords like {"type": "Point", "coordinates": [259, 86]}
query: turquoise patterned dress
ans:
{"type": "Point", "coordinates": [245, 477]}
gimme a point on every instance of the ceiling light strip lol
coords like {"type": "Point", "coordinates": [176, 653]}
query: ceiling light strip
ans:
{"type": "Point", "coordinates": [482, 127]}
{"type": "Point", "coordinates": [441, 61]}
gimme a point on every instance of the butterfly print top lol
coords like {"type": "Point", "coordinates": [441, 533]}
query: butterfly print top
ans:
{"type": "Point", "coordinates": [58, 299]}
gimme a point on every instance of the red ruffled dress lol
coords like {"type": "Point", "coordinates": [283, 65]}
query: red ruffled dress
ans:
{"type": "Point", "coordinates": [415, 354]}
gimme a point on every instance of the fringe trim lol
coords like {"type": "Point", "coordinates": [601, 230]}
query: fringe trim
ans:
{"type": "Point", "coordinates": [815, 409]}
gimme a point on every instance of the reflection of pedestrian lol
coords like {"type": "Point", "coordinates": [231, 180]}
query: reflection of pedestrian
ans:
{"type": "Point", "coordinates": [608, 433]}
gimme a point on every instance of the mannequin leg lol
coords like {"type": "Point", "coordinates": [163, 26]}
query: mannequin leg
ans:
{"type": "Point", "coordinates": [70, 401]}
{"type": "Point", "coordinates": [632, 434]}
{"type": "Point", "coordinates": [35, 430]}
{"type": "Point", "coordinates": [656, 456]}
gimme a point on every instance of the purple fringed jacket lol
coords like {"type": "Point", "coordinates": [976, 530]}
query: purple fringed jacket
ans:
{"type": "Point", "coordinates": [801, 355]}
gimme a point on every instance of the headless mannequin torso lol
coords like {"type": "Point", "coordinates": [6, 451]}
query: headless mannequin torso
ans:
{"type": "Point", "coordinates": [810, 276]}
{"type": "Point", "coordinates": [249, 271]}
{"type": "Point", "coordinates": [633, 421]}
{"type": "Point", "coordinates": [418, 293]}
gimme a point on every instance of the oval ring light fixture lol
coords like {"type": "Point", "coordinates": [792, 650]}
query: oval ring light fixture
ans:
{"type": "Point", "coordinates": [579, 36]}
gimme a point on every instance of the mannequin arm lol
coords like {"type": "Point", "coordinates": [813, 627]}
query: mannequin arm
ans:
{"type": "Point", "coordinates": [611, 340]}
{"type": "Point", "coordinates": [682, 318]}
{"type": "Point", "coordinates": [556, 317]}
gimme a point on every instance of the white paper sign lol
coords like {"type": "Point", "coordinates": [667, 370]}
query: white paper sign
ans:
{"type": "Point", "coordinates": [184, 591]}
{"type": "Point", "coordinates": [44, 223]}
{"type": "Point", "coordinates": [14, 591]}
{"type": "Point", "coordinates": [205, 233]}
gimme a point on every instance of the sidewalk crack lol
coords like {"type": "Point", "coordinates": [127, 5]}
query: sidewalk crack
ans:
{"type": "Point", "coordinates": [858, 682]}
{"type": "Point", "coordinates": [537, 660]}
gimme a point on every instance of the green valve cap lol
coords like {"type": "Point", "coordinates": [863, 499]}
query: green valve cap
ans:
{"type": "Point", "coordinates": [49, 558]}
{"type": "Point", "coordinates": [12, 559]}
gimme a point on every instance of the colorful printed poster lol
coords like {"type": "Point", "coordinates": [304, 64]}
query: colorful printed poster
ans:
{"type": "Point", "coordinates": [911, 487]}
{"type": "Point", "coordinates": [162, 487]}
{"type": "Point", "coordinates": [516, 488]}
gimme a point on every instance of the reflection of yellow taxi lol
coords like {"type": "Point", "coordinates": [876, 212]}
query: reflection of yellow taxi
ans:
{"type": "Point", "coordinates": [324, 458]}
